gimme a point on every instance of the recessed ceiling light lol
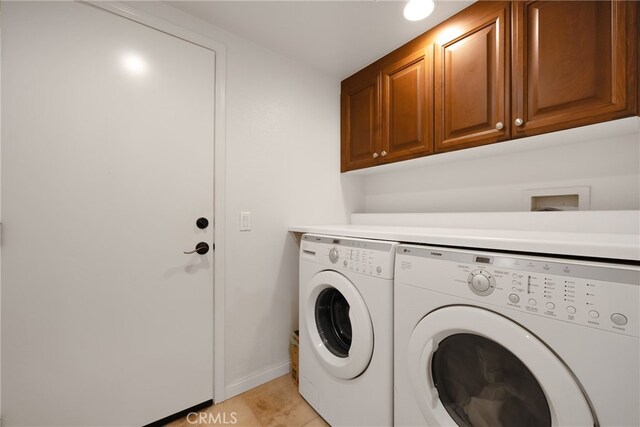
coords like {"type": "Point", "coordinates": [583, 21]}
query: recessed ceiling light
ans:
{"type": "Point", "coordinates": [134, 63]}
{"type": "Point", "coordinates": [417, 10]}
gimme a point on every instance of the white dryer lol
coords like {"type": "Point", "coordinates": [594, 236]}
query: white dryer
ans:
{"type": "Point", "coordinates": [493, 339]}
{"type": "Point", "coordinates": [346, 327]}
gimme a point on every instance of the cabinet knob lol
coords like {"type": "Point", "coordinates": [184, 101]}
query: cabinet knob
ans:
{"type": "Point", "coordinates": [375, 155]}
{"type": "Point", "coordinates": [518, 121]}
{"type": "Point", "coordinates": [383, 154]}
{"type": "Point", "coordinates": [499, 125]}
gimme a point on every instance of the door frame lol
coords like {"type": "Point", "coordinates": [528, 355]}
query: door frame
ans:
{"type": "Point", "coordinates": [219, 50]}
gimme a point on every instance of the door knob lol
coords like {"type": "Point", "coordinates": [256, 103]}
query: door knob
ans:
{"type": "Point", "coordinates": [201, 248]}
{"type": "Point", "coordinates": [202, 223]}
{"type": "Point", "coordinates": [375, 155]}
{"type": "Point", "coordinates": [499, 125]}
{"type": "Point", "coordinates": [383, 154]}
{"type": "Point", "coordinates": [518, 121]}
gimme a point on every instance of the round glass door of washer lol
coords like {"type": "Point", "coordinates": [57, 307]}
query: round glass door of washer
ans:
{"type": "Point", "coordinates": [332, 321]}
{"type": "Point", "coordinates": [338, 324]}
{"type": "Point", "coordinates": [472, 367]}
{"type": "Point", "coordinates": [480, 382]}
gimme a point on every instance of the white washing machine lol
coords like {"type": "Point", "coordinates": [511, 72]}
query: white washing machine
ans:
{"type": "Point", "coordinates": [493, 339]}
{"type": "Point", "coordinates": [346, 329]}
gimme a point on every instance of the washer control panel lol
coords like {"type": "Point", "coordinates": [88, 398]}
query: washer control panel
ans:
{"type": "Point", "coordinates": [597, 295]}
{"type": "Point", "coordinates": [370, 257]}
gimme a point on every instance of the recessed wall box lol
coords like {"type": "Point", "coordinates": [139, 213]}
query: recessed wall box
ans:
{"type": "Point", "coordinates": [557, 199]}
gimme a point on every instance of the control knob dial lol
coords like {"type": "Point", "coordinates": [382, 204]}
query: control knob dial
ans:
{"type": "Point", "coordinates": [334, 255]}
{"type": "Point", "coordinates": [481, 282]}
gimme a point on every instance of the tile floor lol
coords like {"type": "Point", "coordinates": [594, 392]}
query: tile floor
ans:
{"type": "Point", "coordinates": [274, 404]}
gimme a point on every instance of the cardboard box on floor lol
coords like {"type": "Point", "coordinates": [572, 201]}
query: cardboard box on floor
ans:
{"type": "Point", "coordinates": [294, 345]}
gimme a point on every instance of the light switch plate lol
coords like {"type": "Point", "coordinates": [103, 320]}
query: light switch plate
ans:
{"type": "Point", "coordinates": [245, 221]}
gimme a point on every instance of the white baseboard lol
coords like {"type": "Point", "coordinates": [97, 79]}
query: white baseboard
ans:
{"type": "Point", "coordinates": [257, 378]}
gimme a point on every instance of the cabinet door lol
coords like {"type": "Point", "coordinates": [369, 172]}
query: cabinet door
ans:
{"type": "Point", "coordinates": [407, 107]}
{"type": "Point", "coordinates": [573, 64]}
{"type": "Point", "coordinates": [360, 122]}
{"type": "Point", "coordinates": [471, 78]}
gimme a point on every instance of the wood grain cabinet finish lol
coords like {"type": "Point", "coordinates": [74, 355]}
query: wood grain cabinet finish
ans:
{"type": "Point", "coordinates": [360, 121]}
{"type": "Point", "coordinates": [573, 63]}
{"type": "Point", "coordinates": [407, 107]}
{"type": "Point", "coordinates": [497, 70]}
{"type": "Point", "coordinates": [472, 79]}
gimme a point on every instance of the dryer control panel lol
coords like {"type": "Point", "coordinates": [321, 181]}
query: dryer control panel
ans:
{"type": "Point", "coordinates": [369, 257]}
{"type": "Point", "coordinates": [598, 295]}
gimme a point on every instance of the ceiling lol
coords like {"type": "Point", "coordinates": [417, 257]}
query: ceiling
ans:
{"type": "Point", "coordinates": [337, 37]}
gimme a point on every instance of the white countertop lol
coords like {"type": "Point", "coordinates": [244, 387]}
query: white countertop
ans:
{"type": "Point", "coordinates": [620, 246]}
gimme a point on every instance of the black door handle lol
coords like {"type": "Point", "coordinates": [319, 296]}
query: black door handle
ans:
{"type": "Point", "coordinates": [201, 248]}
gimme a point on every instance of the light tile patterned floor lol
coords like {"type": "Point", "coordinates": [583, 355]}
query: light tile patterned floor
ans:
{"type": "Point", "coordinates": [274, 404]}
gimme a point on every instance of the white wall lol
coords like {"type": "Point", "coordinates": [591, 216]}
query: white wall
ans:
{"type": "Point", "coordinates": [282, 164]}
{"type": "Point", "coordinates": [610, 166]}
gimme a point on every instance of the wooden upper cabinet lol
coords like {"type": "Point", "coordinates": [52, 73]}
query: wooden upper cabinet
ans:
{"type": "Point", "coordinates": [472, 78]}
{"type": "Point", "coordinates": [495, 71]}
{"type": "Point", "coordinates": [573, 64]}
{"type": "Point", "coordinates": [407, 107]}
{"type": "Point", "coordinates": [360, 121]}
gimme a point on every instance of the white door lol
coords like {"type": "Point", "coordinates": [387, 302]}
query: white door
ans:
{"type": "Point", "coordinates": [107, 163]}
{"type": "Point", "coordinates": [472, 367]}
